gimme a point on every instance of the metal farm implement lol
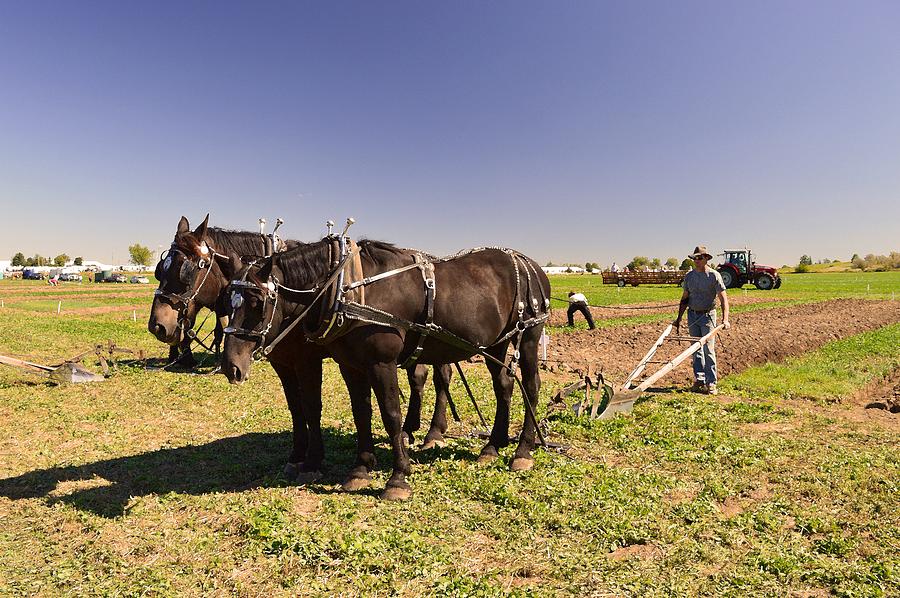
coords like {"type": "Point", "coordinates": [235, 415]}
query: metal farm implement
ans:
{"type": "Point", "coordinates": [70, 370]}
{"type": "Point", "coordinates": [609, 400]}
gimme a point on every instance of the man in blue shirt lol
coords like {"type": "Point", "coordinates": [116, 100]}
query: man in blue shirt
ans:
{"type": "Point", "coordinates": [701, 287]}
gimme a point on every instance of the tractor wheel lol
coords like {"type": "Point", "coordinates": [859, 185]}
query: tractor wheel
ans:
{"type": "Point", "coordinates": [621, 282]}
{"type": "Point", "coordinates": [765, 282]}
{"type": "Point", "coordinates": [727, 278]}
{"type": "Point", "coordinates": [778, 283]}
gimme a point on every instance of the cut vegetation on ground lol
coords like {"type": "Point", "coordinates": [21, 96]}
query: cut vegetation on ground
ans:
{"type": "Point", "coordinates": [169, 484]}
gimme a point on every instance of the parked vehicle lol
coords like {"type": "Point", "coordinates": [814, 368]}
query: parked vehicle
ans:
{"type": "Point", "coordinates": [116, 278]}
{"type": "Point", "coordinates": [70, 277]}
{"type": "Point", "coordinates": [738, 268]}
{"type": "Point", "coordinates": [636, 278]}
{"type": "Point", "coordinates": [140, 280]}
{"type": "Point", "coordinates": [29, 274]}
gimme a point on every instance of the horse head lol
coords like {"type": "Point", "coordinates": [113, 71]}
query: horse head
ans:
{"type": "Point", "coordinates": [189, 278]}
{"type": "Point", "coordinates": [256, 316]}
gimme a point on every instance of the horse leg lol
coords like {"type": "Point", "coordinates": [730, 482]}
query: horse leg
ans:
{"type": "Point", "coordinates": [531, 382]}
{"type": "Point", "coordinates": [417, 377]}
{"type": "Point", "coordinates": [361, 403]}
{"type": "Point", "coordinates": [383, 379]}
{"type": "Point", "coordinates": [186, 356]}
{"type": "Point", "coordinates": [300, 436]}
{"type": "Point", "coordinates": [435, 436]}
{"type": "Point", "coordinates": [309, 374]}
{"type": "Point", "coordinates": [503, 387]}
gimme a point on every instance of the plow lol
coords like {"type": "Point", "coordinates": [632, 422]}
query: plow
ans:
{"type": "Point", "coordinates": [71, 371]}
{"type": "Point", "coordinates": [609, 400]}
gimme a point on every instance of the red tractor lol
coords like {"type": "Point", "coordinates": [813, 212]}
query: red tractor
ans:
{"type": "Point", "coordinates": [739, 268]}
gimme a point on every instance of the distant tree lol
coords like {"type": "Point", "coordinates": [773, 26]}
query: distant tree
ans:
{"type": "Point", "coordinates": [672, 262]}
{"type": "Point", "coordinates": [855, 257]}
{"type": "Point", "coordinates": [61, 260]}
{"type": "Point", "coordinates": [549, 265]}
{"type": "Point", "coordinates": [18, 259]}
{"type": "Point", "coordinates": [655, 264]}
{"type": "Point", "coordinates": [140, 255]}
{"type": "Point", "coordinates": [805, 260]}
{"type": "Point", "coordinates": [801, 268]}
{"type": "Point", "coordinates": [686, 264]}
{"type": "Point", "coordinates": [79, 261]}
{"type": "Point", "coordinates": [569, 269]}
{"type": "Point", "coordinates": [638, 262]}
{"type": "Point", "coordinates": [37, 260]}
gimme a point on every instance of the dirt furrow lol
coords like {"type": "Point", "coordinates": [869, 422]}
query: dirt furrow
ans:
{"type": "Point", "coordinates": [755, 338]}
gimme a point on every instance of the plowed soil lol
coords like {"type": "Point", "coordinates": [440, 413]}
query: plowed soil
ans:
{"type": "Point", "coordinates": [558, 316]}
{"type": "Point", "coordinates": [754, 338]}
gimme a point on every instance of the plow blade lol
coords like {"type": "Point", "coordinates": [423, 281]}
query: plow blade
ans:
{"type": "Point", "coordinates": [67, 372]}
{"type": "Point", "coordinates": [622, 401]}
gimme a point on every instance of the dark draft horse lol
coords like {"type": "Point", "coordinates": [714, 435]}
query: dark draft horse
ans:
{"type": "Point", "coordinates": [478, 298]}
{"type": "Point", "coordinates": [298, 365]}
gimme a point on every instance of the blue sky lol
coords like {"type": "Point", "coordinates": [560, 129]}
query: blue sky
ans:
{"type": "Point", "coordinates": [572, 131]}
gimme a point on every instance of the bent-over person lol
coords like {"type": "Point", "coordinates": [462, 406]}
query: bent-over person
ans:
{"type": "Point", "coordinates": [578, 302]}
{"type": "Point", "coordinates": [701, 287]}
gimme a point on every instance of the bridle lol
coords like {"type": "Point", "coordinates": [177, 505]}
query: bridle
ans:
{"type": "Point", "coordinates": [187, 274]}
{"type": "Point", "coordinates": [238, 288]}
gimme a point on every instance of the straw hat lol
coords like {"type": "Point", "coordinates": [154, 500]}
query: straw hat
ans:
{"type": "Point", "coordinates": [699, 251]}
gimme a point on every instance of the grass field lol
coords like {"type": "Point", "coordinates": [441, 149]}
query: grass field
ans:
{"type": "Point", "coordinates": [155, 483]}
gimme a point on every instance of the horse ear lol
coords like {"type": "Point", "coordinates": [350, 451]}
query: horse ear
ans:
{"type": "Point", "coordinates": [183, 226]}
{"type": "Point", "coordinates": [265, 270]}
{"type": "Point", "coordinates": [201, 230]}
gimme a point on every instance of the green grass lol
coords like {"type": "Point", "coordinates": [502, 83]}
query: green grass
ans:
{"type": "Point", "coordinates": [169, 484]}
{"type": "Point", "coordinates": [835, 371]}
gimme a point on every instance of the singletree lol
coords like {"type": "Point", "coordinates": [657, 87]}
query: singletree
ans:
{"type": "Point", "coordinates": [805, 260]}
{"type": "Point", "coordinates": [140, 255]}
{"type": "Point", "coordinates": [18, 259]}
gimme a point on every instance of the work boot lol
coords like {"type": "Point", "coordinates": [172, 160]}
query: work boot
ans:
{"type": "Point", "coordinates": [711, 389]}
{"type": "Point", "coordinates": [698, 386]}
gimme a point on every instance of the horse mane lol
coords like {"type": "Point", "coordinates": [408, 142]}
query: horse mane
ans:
{"type": "Point", "coordinates": [304, 264]}
{"type": "Point", "coordinates": [236, 242]}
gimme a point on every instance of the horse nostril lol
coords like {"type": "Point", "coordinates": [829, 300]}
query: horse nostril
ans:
{"type": "Point", "coordinates": [236, 374]}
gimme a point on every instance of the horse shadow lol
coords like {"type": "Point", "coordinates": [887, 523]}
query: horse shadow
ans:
{"type": "Point", "coordinates": [233, 464]}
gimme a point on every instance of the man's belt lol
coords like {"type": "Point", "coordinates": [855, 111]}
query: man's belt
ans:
{"type": "Point", "coordinates": [702, 311]}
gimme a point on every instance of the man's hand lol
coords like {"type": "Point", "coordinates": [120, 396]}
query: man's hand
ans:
{"type": "Point", "coordinates": [726, 324]}
{"type": "Point", "coordinates": [676, 323]}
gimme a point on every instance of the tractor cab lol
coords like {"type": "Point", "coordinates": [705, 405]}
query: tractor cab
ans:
{"type": "Point", "coordinates": [740, 259]}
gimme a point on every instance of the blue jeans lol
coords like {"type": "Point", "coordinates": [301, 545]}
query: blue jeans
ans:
{"type": "Point", "coordinates": [701, 324]}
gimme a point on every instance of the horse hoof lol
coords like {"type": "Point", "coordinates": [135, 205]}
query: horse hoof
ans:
{"type": "Point", "coordinates": [308, 477]}
{"type": "Point", "coordinates": [355, 484]}
{"type": "Point", "coordinates": [521, 464]}
{"type": "Point", "coordinates": [292, 469]}
{"type": "Point", "coordinates": [432, 443]}
{"type": "Point", "coordinates": [396, 493]}
{"type": "Point", "coordinates": [486, 459]}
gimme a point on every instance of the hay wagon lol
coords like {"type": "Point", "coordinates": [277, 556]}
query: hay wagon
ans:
{"type": "Point", "coordinates": [635, 278]}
